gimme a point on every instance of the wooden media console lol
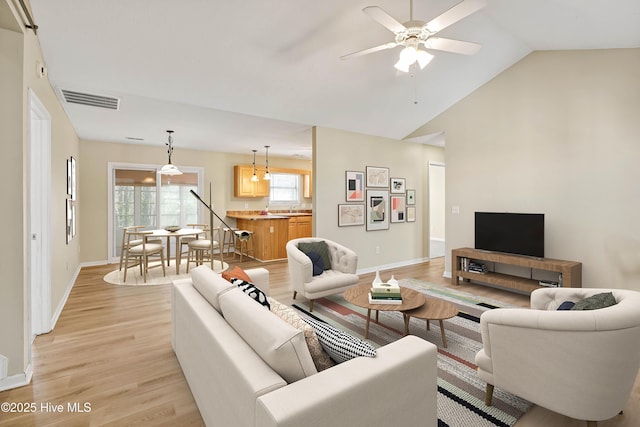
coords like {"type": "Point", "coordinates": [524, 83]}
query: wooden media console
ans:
{"type": "Point", "coordinates": [571, 271]}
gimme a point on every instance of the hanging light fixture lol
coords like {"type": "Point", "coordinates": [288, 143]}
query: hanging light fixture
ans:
{"type": "Point", "coordinates": [254, 178]}
{"type": "Point", "coordinates": [411, 54]}
{"type": "Point", "coordinates": [169, 168]}
{"type": "Point", "coordinates": [267, 177]}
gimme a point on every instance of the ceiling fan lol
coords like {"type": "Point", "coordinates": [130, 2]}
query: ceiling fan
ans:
{"type": "Point", "coordinates": [412, 34]}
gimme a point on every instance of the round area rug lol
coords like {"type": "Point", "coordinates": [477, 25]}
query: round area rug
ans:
{"type": "Point", "coordinates": [154, 276]}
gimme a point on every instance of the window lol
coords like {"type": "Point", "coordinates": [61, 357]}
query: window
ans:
{"type": "Point", "coordinates": [285, 188]}
{"type": "Point", "coordinates": [142, 197]}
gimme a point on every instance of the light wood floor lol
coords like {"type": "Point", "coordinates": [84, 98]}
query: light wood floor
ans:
{"type": "Point", "coordinates": [111, 349]}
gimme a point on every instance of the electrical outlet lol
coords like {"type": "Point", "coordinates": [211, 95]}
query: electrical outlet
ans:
{"type": "Point", "coordinates": [271, 229]}
{"type": "Point", "coordinates": [246, 205]}
{"type": "Point", "coordinates": [377, 250]}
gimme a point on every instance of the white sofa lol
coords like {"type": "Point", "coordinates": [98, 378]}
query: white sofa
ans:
{"type": "Point", "coordinates": [581, 364]}
{"type": "Point", "coordinates": [233, 386]}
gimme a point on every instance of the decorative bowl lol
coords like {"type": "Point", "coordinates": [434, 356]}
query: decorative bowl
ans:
{"type": "Point", "coordinates": [172, 228]}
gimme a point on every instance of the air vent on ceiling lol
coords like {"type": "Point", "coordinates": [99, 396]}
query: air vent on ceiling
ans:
{"type": "Point", "coordinates": [91, 100]}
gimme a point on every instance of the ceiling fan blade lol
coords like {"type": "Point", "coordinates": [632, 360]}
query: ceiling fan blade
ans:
{"type": "Point", "coordinates": [384, 18]}
{"type": "Point", "coordinates": [450, 45]}
{"type": "Point", "coordinates": [453, 15]}
{"type": "Point", "coordinates": [370, 50]}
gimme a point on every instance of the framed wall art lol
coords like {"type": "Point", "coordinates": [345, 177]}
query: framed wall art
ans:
{"type": "Point", "coordinates": [73, 179]}
{"type": "Point", "coordinates": [349, 215]}
{"type": "Point", "coordinates": [398, 185]}
{"type": "Point", "coordinates": [377, 177]}
{"type": "Point", "coordinates": [398, 205]}
{"type": "Point", "coordinates": [411, 214]}
{"type": "Point", "coordinates": [354, 183]}
{"type": "Point", "coordinates": [411, 197]}
{"type": "Point", "coordinates": [377, 210]}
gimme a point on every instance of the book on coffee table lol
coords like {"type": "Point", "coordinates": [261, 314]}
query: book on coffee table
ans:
{"type": "Point", "coordinates": [387, 300]}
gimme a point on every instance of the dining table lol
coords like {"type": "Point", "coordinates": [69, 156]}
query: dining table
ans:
{"type": "Point", "coordinates": [177, 234]}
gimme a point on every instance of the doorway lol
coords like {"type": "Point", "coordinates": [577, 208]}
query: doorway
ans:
{"type": "Point", "coordinates": [436, 210]}
{"type": "Point", "coordinates": [39, 217]}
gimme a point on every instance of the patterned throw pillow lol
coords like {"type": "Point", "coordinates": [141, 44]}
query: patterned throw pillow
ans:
{"type": "Point", "coordinates": [594, 302]}
{"type": "Point", "coordinates": [320, 247]}
{"type": "Point", "coordinates": [320, 357]}
{"type": "Point", "coordinates": [252, 290]}
{"type": "Point", "coordinates": [338, 344]}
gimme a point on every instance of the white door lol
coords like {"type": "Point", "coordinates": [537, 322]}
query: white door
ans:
{"type": "Point", "coordinates": [436, 210]}
{"type": "Point", "coordinates": [39, 216]}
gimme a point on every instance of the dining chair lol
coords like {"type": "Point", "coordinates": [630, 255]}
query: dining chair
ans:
{"type": "Point", "coordinates": [125, 244]}
{"type": "Point", "coordinates": [184, 242]}
{"type": "Point", "coordinates": [203, 249]}
{"type": "Point", "coordinates": [142, 252]}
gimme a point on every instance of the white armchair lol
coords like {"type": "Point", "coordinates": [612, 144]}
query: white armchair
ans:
{"type": "Point", "coordinates": [582, 364]}
{"type": "Point", "coordinates": [340, 277]}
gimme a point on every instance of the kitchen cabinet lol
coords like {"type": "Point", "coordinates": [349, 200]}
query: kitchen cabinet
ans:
{"type": "Point", "coordinates": [300, 226]}
{"type": "Point", "coordinates": [269, 236]}
{"type": "Point", "coordinates": [244, 187]}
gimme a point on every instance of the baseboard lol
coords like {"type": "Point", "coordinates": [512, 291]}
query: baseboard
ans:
{"type": "Point", "coordinates": [96, 263]}
{"type": "Point", "coordinates": [63, 300]}
{"type": "Point", "coordinates": [446, 274]}
{"type": "Point", "coordinates": [392, 265]}
{"type": "Point", "coordinates": [17, 380]}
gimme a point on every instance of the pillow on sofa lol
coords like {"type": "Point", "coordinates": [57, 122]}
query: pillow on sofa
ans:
{"type": "Point", "coordinates": [567, 305]}
{"type": "Point", "coordinates": [338, 344]}
{"type": "Point", "coordinates": [594, 302]}
{"type": "Point", "coordinates": [252, 290]}
{"type": "Point", "coordinates": [236, 272]}
{"type": "Point", "coordinates": [321, 248]}
{"type": "Point", "coordinates": [210, 284]}
{"type": "Point", "coordinates": [320, 357]}
{"type": "Point", "coordinates": [316, 260]}
{"type": "Point", "coordinates": [279, 344]}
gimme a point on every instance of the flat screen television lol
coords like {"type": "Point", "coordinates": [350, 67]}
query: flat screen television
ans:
{"type": "Point", "coordinates": [514, 233]}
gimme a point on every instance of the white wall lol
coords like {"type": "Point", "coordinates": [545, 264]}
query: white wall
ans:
{"type": "Point", "coordinates": [337, 151]}
{"type": "Point", "coordinates": [557, 133]}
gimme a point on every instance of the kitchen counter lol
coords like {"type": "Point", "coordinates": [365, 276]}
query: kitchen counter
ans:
{"type": "Point", "coordinates": [256, 215]}
{"type": "Point", "coordinates": [272, 231]}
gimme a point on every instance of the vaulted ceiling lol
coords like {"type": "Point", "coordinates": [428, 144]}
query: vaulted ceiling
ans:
{"type": "Point", "coordinates": [231, 76]}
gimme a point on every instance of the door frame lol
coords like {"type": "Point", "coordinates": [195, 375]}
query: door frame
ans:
{"type": "Point", "coordinates": [39, 235]}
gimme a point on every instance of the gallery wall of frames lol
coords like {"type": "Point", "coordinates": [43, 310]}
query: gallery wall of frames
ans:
{"type": "Point", "coordinates": [375, 199]}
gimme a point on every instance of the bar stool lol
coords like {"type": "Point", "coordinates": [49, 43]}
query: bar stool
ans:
{"type": "Point", "coordinates": [243, 243]}
{"type": "Point", "coordinates": [228, 239]}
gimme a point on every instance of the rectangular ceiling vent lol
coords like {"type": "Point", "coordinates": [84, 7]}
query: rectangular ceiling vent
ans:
{"type": "Point", "coordinates": [91, 100]}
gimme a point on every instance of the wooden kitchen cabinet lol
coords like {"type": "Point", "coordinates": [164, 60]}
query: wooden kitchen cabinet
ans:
{"type": "Point", "coordinates": [244, 187]}
{"type": "Point", "coordinates": [300, 226]}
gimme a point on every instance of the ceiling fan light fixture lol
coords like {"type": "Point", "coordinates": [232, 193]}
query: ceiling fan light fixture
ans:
{"type": "Point", "coordinates": [423, 58]}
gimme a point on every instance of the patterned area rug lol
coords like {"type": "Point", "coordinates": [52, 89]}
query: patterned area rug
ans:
{"type": "Point", "coordinates": [460, 392]}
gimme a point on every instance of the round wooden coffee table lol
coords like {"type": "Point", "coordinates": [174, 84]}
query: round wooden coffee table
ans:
{"type": "Point", "coordinates": [432, 309]}
{"type": "Point", "coordinates": [359, 295]}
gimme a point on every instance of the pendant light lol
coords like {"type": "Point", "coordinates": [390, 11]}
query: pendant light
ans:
{"type": "Point", "coordinates": [254, 178]}
{"type": "Point", "coordinates": [169, 168]}
{"type": "Point", "coordinates": [267, 177]}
